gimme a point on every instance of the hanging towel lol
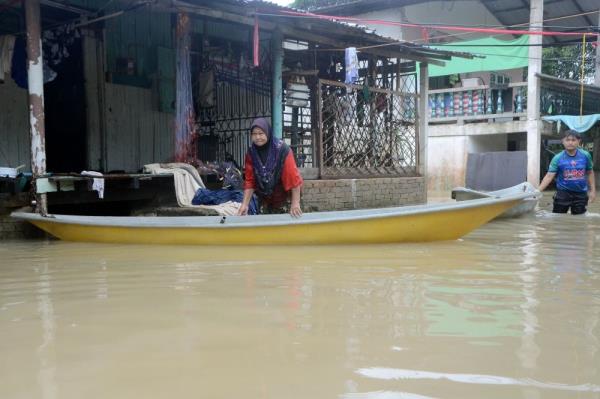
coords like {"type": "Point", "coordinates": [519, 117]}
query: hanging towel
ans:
{"type": "Point", "coordinates": [7, 45]}
{"type": "Point", "coordinates": [351, 65]}
{"type": "Point", "coordinates": [206, 89]}
{"type": "Point", "coordinates": [98, 184]}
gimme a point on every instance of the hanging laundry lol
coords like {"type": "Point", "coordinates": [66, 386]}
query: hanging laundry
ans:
{"type": "Point", "coordinates": [56, 43]}
{"type": "Point", "coordinates": [351, 65]}
{"type": "Point", "coordinates": [381, 102]}
{"type": "Point", "coordinates": [362, 101]}
{"type": "Point", "coordinates": [206, 89]}
{"type": "Point", "coordinates": [7, 45]}
{"type": "Point", "coordinates": [346, 109]}
{"type": "Point", "coordinates": [97, 183]}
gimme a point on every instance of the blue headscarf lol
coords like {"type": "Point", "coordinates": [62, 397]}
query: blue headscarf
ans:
{"type": "Point", "coordinates": [268, 159]}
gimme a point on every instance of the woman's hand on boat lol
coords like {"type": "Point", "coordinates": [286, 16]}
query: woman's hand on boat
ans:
{"type": "Point", "coordinates": [295, 211]}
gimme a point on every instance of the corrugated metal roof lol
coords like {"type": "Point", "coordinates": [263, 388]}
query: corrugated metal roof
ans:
{"type": "Point", "coordinates": [508, 12]}
{"type": "Point", "coordinates": [348, 34]}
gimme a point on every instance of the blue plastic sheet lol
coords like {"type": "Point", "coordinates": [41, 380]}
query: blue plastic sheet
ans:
{"type": "Point", "coordinates": [580, 124]}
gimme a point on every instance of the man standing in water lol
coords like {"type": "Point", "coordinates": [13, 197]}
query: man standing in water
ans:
{"type": "Point", "coordinates": [575, 182]}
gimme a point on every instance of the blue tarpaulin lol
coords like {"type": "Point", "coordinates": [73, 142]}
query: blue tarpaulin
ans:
{"type": "Point", "coordinates": [580, 124]}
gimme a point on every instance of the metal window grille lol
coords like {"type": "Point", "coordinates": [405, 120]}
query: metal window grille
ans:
{"type": "Point", "coordinates": [367, 131]}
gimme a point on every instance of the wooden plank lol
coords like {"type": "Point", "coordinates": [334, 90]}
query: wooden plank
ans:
{"type": "Point", "coordinates": [135, 129]}
{"type": "Point", "coordinates": [14, 125]}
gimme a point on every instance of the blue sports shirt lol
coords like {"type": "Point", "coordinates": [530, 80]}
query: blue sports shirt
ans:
{"type": "Point", "coordinates": [571, 171]}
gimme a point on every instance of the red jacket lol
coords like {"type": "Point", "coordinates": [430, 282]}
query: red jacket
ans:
{"type": "Point", "coordinates": [290, 178]}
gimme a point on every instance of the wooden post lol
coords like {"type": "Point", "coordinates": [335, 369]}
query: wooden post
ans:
{"type": "Point", "coordinates": [276, 83]}
{"type": "Point", "coordinates": [423, 122]}
{"type": "Point", "coordinates": [534, 124]}
{"type": "Point", "coordinates": [35, 77]}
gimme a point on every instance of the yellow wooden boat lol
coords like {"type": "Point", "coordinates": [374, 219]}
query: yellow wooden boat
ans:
{"type": "Point", "coordinates": [420, 223]}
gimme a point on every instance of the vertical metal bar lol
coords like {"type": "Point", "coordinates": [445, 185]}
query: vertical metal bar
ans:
{"type": "Point", "coordinates": [314, 121]}
{"type": "Point", "coordinates": [277, 89]}
{"type": "Point", "coordinates": [35, 76]}
{"type": "Point", "coordinates": [319, 128]}
{"type": "Point", "coordinates": [294, 138]}
{"type": "Point", "coordinates": [422, 121]}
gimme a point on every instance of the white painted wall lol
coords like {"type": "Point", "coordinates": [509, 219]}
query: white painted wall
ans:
{"type": "Point", "coordinates": [446, 162]}
{"type": "Point", "coordinates": [486, 143]}
{"type": "Point", "coordinates": [447, 158]}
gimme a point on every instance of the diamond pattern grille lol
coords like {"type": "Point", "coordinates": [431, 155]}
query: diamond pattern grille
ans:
{"type": "Point", "coordinates": [367, 131]}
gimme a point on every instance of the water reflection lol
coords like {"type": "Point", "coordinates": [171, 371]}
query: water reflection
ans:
{"type": "Point", "coordinates": [47, 369]}
{"type": "Point", "coordinates": [509, 311]}
{"type": "Point", "coordinates": [478, 379]}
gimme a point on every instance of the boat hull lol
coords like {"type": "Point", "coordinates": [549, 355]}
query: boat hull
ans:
{"type": "Point", "coordinates": [406, 224]}
{"type": "Point", "coordinates": [524, 207]}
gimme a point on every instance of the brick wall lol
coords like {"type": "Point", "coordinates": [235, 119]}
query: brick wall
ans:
{"type": "Point", "coordinates": [330, 195]}
{"type": "Point", "coordinates": [11, 229]}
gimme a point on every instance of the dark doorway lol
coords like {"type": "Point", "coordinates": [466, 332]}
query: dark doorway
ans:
{"type": "Point", "coordinates": [64, 100]}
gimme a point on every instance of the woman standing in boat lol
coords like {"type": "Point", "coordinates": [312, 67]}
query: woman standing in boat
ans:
{"type": "Point", "coordinates": [270, 171]}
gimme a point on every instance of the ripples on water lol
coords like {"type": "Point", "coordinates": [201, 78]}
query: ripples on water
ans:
{"type": "Point", "coordinates": [510, 311]}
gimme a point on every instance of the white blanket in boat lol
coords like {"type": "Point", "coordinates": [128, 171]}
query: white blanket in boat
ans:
{"type": "Point", "coordinates": [187, 181]}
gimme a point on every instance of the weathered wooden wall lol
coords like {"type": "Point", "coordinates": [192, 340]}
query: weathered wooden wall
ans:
{"type": "Point", "coordinates": [136, 132]}
{"type": "Point", "coordinates": [14, 125]}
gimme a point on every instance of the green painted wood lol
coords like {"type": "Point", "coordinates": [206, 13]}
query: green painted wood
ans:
{"type": "Point", "coordinates": [137, 35]}
{"type": "Point", "coordinates": [166, 79]}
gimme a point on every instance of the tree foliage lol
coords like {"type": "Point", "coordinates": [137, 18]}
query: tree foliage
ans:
{"type": "Point", "coordinates": [565, 62]}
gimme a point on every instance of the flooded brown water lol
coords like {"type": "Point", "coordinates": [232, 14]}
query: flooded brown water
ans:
{"type": "Point", "coordinates": [510, 311]}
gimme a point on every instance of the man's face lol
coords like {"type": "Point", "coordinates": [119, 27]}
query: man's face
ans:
{"type": "Point", "coordinates": [570, 143]}
{"type": "Point", "coordinates": [258, 137]}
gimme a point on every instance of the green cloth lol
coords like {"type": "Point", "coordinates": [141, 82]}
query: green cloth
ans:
{"type": "Point", "coordinates": [496, 58]}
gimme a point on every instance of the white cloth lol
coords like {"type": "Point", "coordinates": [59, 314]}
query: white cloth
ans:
{"type": "Point", "coordinates": [186, 178]}
{"type": "Point", "coordinates": [351, 65]}
{"type": "Point", "coordinates": [97, 184]}
{"type": "Point", "coordinates": [7, 45]}
{"type": "Point", "coordinates": [187, 181]}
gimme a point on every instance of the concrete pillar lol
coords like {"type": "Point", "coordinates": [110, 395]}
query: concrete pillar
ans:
{"type": "Point", "coordinates": [534, 124]}
{"type": "Point", "coordinates": [276, 83]}
{"type": "Point", "coordinates": [597, 70]}
{"type": "Point", "coordinates": [596, 155]}
{"type": "Point", "coordinates": [35, 78]}
{"type": "Point", "coordinates": [423, 122]}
